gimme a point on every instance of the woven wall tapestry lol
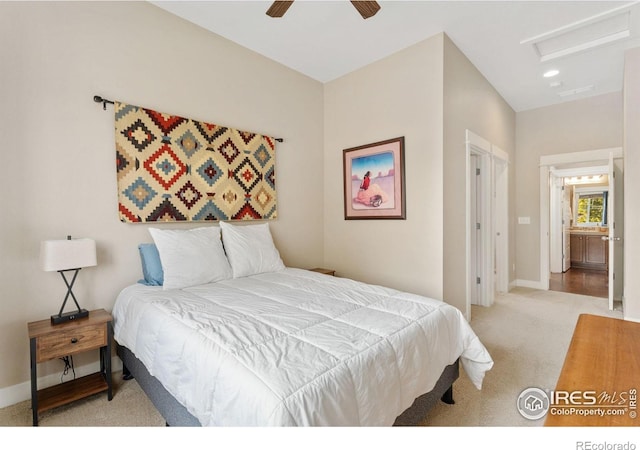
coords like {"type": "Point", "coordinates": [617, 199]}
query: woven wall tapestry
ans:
{"type": "Point", "coordinates": [172, 168]}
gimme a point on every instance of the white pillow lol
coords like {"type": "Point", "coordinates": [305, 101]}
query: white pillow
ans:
{"type": "Point", "coordinates": [191, 257]}
{"type": "Point", "coordinates": [250, 249]}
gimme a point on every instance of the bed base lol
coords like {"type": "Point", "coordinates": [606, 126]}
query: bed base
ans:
{"type": "Point", "coordinates": [176, 414]}
{"type": "Point", "coordinates": [443, 390]}
{"type": "Point", "coordinates": [173, 412]}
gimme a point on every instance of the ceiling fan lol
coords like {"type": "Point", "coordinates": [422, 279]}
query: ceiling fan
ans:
{"type": "Point", "coordinates": [365, 8]}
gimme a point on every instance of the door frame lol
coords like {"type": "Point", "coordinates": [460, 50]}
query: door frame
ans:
{"type": "Point", "coordinates": [547, 164]}
{"type": "Point", "coordinates": [493, 264]}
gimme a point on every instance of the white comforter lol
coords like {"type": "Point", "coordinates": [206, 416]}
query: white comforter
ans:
{"type": "Point", "coordinates": [295, 348]}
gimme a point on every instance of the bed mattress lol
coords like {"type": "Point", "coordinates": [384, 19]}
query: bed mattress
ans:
{"type": "Point", "coordinates": [295, 348]}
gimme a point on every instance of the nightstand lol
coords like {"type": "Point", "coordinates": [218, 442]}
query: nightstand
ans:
{"type": "Point", "coordinates": [49, 341]}
{"type": "Point", "coordinates": [324, 271]}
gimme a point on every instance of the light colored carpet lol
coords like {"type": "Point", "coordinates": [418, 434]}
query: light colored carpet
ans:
{"type": "Point", "coordinates": [527, 332]}
{"type": "Point", "coordinates": [129, 407]}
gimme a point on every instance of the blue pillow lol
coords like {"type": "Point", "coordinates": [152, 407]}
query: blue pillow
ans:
{"type": "Point", "coordinates": [151, 266]}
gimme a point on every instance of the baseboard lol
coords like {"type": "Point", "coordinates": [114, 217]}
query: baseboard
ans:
{"type": "Point", "coordinates": [21, 392]}
{"type": "Point", "coordinates": [632, 319]}
{"type": "Point", "coordinates": [530, 284]}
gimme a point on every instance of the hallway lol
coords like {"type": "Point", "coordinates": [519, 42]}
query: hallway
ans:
{"type": "Point", "coordinates": [581, 281]}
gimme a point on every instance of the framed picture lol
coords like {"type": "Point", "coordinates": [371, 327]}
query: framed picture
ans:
{"type": "Point", "coordinates": [374, 181]}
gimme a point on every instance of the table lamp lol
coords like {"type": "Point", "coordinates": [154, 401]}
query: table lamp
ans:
{"type": "Point", "coordinates": [68, 255]}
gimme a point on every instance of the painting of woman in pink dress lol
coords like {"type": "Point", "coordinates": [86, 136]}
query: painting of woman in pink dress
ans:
{"type": "Point", "coordinates": [373, 192]}
{"type": "Point", "coordinates": [374, 181]}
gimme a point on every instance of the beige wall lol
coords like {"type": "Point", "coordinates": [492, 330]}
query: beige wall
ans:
{"type": "Point", "coordinates": [573, 126]}
{"type": "Point", "coordinates": [470, 102]}
{"type": "Point", "coordinates": [429, 93]}
{"type": "Point", "coordinates": [632, 185]}
{"type": "Point", "coordinates": [398, 96]}
{"type": "Point", "coordinates": [58, 172]}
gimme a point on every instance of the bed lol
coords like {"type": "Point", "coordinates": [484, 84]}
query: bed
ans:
{"type": "Point", "coordinates": [261, 344]}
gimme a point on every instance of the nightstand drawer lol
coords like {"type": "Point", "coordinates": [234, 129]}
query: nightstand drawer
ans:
{"type": "Point", "coordinates": [62, 343]}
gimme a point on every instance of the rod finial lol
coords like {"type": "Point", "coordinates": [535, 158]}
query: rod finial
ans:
{"type": "Point", "coordinates": [104, 101]}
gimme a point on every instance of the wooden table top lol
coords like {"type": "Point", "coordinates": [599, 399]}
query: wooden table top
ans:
{"type": "Point", "coordinates": [602, 373]}
{"type": "Point", "coordinates": [42, 327]}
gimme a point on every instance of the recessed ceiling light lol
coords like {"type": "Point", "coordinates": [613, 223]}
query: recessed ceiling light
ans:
{"type": "Point", "coordinates": [551, 73]}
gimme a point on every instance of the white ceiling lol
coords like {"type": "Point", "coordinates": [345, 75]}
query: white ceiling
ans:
{"type": "Point", "coordinates": [327, 39]}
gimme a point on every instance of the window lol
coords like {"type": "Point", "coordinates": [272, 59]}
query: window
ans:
{"type": "Point", "coordinates": [591, 208]}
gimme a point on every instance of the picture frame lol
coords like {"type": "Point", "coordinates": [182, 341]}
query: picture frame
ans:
{"type": "Point", "coordinates": [374, 180]}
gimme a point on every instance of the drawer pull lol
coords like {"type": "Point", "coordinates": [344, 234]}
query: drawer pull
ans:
{"type": "Point", "coordinates": [74, 340]}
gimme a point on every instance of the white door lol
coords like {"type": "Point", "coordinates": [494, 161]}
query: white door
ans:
{"type": "Point", "coordinates": [555, 229]}
{"type": "Point", "coordinates": [615, 247]}
{"type": "Point", "coordinates": [566, 227]}
{"type": "Point", "coordinates": [501, 226]}
{"type": "Point", "coordinates": [476, 236]}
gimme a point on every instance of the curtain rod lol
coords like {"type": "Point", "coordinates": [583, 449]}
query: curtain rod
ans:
{"type": "Point", "coordinates": [104, 101]}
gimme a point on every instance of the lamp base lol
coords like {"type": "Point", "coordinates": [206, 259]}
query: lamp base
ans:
{"type": "Point", "coordinates": [67, 317]}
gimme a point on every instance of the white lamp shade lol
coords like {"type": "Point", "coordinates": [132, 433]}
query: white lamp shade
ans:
{"type": "Point", "coordinates": [67, 254]}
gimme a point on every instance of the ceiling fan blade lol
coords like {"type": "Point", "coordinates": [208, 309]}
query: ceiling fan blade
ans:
{"type": "Point", "coordinates": [366, 9]}
{"type": "Point", "coordinates": [278, 9]}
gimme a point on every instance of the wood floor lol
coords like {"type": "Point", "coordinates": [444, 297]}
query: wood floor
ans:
{"type": "Point", "coordinates": [581, 281]}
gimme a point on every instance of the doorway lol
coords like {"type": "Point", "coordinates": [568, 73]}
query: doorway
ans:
{"type": "Point", "coordinates": [554, 167]}
{"type": "Point", "coordinates": [578, 230]}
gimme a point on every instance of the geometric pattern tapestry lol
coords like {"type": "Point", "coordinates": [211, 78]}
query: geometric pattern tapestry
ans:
{"type": "Point", "coordinates": [171, 168]}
